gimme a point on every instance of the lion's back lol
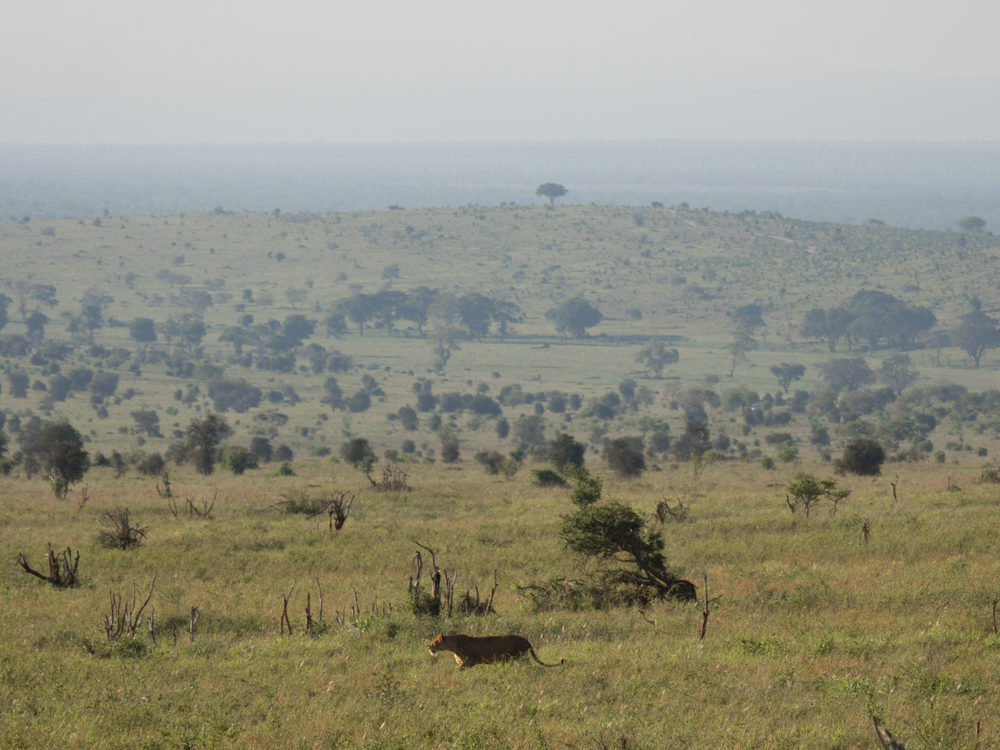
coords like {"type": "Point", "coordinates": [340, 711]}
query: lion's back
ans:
{"type": "Point", "coordinates": [493, 646]}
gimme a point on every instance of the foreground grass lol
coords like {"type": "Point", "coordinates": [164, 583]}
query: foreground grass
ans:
{"type": "Point", "coordinates": [816, 631]}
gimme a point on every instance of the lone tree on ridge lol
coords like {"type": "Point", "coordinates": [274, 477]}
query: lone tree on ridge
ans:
{"type": "Point", "coordinates": [551, 190]}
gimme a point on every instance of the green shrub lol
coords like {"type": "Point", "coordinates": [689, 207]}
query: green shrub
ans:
{"type": "Point", "coordinates": [546, 478]}
{"type": "Point", "coordinates": [284, 470]}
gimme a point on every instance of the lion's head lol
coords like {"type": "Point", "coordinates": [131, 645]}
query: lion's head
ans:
{"type": "Point", "coordinates": [438, 644]}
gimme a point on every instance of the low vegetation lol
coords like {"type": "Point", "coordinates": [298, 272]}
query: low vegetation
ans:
{"type": "Point", "coordinates": [604, 411]}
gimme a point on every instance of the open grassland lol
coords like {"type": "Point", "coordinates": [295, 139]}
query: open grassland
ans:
{"type": "Point", "coordinates": [816, 630]}
{"type": "Point", "coordinates": [683, 271]}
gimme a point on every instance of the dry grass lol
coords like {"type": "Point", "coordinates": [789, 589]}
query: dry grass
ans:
{"type": "Point", "coordinates": [815, 632]}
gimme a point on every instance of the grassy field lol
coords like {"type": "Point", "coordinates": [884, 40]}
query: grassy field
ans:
{"type": "Point", "coordinates": [684, 270]}
{"type": "Point", "coordinates": [816, 630]}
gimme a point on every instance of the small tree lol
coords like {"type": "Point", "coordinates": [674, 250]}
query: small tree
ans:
{"type": "Point", "coordinates": [897, 373]}
{"type": "Point", "coordinates": [357, 452]}
{"type": "Point", "coordinates": [588, 487]}
{"type": "Point", "coordinates": [143, 330]}
{"type": "Point", "coordinates": [786, 374]}
{"type": "Point", "coordinates": [148, 421]}
{"type": "Point", "coordinates": [624, 455]}
{"type": "Point", "coordinates": [655, 356]}
{"type": "Point", "coordinates": [629, 555]}
{"type": "Point", "coordinates": [203, 438]}
{"type": "Point", "coordinates": [261, 447]}
{"type": "Point", "coordinates": [847, 374]}
{"type": "Point", "coordinates": [807, 490]}
{"type": "Point", "coordinates": [976, 334]}
{"type": "Point", "coordinates": [551, 190]}
{"type": "Point", "coordinates": [862, 456]}
{"type": "Point", "coordinates": [565, 449]}
{"type": "Point", "coordinates": [408, 418]}
{"type": "Point", "coordinates": [971, 224]}
{"type": "Point", "coordinates": [574, 316]}
{"type": "Point", "coordinates": [239, 459]}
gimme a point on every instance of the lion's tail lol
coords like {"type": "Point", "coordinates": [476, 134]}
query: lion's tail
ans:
{"type": "Point", "coordinates": [533, 656]}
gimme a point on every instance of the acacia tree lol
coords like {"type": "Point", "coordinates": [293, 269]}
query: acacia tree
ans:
{"type": "Point", "coordinates": [971, 224]}
{"type": "Point", "coordinates": [807, 490]}
{"type": "Point", "coordinates": [57, 451]}
{"type": "Point", "coordinates": [575, 316]}
{"type": "Point", "coordinates": [897, 373]}
{"type": "Point", "coordinates": [629, 555]}
{"type": "Point", "coordinates": [976, 334]}
{"type": "Point", "coordinates": [655, 356]}
{"type": "Point", "coordinates": [786, 374]}
{"type": "Point", "coordinates": [551, 190]}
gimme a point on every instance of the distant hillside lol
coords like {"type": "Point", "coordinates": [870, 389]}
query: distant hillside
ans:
{"type": "Point", "coordinates": [313, 327]}
{"type": "Point", "coordinates": [903, 184]}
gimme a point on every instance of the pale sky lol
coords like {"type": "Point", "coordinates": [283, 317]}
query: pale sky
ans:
{"type": "Point", "coordinates": [110, 71]}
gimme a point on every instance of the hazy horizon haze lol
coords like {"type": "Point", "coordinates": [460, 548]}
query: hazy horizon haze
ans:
{"type": "Point", "coordinates": [116, 72]}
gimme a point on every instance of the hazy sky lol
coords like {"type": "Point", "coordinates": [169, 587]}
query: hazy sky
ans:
{"type": "Point", "coordinates": [109, 71]}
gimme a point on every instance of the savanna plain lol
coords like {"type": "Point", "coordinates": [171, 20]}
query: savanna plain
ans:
{"type": "Point", "coordinates": [422, 365]}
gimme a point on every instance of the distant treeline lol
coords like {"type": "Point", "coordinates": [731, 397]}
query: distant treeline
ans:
{"type": "Point", "coordinates": [913, 185]}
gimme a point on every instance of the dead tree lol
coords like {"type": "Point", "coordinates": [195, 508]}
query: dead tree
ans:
{"type": "Point", "coordinates": [62, 568]}
{"type": "Point", "coordinates": [206, 508]}
{"type": "Point", "coordinates": [284, 611]}
{"type": "Point", "coordinates": [422, 602]}
{"type": "Point", "coordinates": [337, 507]}
{"type": "Point", "coordinates": [195, 616]}
{"type": "Point", "coordinates": [663, 511]}
{"type": "Point", "coordinates": [866, 530]}
{"type": "Point", "coordinates": [393, 479]}
{"type": "Point", "coordinates": [124, 618]}
{"type": "Point", "coordinates": [435, 574]}
{"type": "Point", "coordinates": [121, 533]}
{"type": "Point", "coordinates": [165, 492]}
{"type": "Point", "coordinates": [705, 612]}
{"type": "Point", "coordinates": [894, 483]}
{"type": "Point", "coordinates": [84, 497]}
{"type": "Point", "coordinates": [449, 589]}
{"type": "Point", "coordinates": [477, 607]}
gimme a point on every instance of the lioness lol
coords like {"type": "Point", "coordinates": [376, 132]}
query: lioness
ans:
{"type": "Point", "coordinates": [470, 651]}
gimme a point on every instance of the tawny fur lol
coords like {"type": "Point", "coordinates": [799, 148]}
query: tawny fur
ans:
{"type": "Point", "coordinates": [470, 650]}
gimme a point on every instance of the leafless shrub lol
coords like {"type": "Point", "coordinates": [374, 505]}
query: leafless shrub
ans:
{"type": "Point", "coordinates": [191, 510]}
{"type": "Point", "coordinates": [337, 507]}
{"type": "Point", "coordinates": [301, 503]}
{"type": "Point", "coordinates": [989, 475]}
{"type": "Point", "coordinates": [663, 512]}
{"type": "Point", "coordinates": [119, 532]}
{"type": "Point", "coordinates": [124, 618]}
{"type": "Point", "coordinates": [393, 479]}
{"type": "Point", "coordinates": [62, 568]}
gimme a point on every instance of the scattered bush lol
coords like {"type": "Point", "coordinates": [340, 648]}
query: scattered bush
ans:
{"type": "Point", "coordinates": [119, 532]}
{"type": "Point", "coordinates": [624, 455]}
{"type": "Point", "coordinates": [862, 456]}
{"type": "Point", "coordinates": [283, 453]}
{"type": "Point", "coordinates": [239, 459]}
{"type": "Point", "coordinates": [152, 465]}
{"type": "Point", "coordinates": [565, 449]}
{"type": "Point", "coordinates": [546, 478]}
{"type": "Point", "coordinates": [357, 452]}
